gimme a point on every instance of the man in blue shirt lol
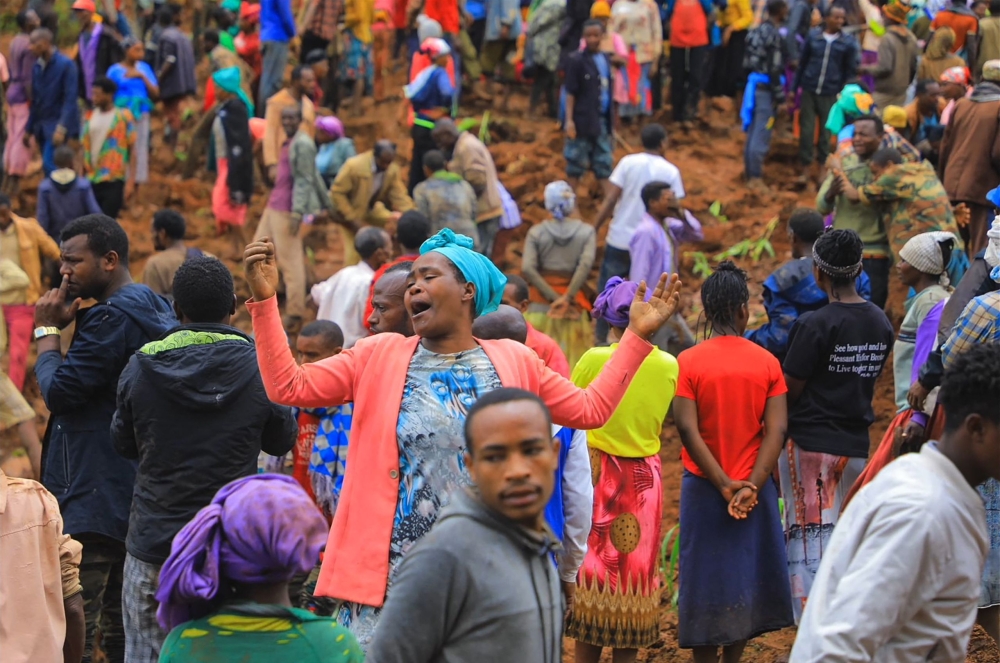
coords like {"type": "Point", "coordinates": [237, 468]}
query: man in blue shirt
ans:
{"type": "Point", "coordinates": [54, 115]}
{"type": "Point", "coordinates": [277, 28]}
{"type": "Point", "coordinates": [589, 109]}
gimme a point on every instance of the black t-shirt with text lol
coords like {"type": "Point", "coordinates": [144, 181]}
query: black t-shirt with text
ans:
{"type": "Point", "coordinates": [839, 350]}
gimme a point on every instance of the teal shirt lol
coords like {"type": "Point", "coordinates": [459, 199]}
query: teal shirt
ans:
{"type": "Point", "coordinates": [257, 633]}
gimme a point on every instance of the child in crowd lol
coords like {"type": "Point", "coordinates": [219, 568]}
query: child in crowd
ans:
{"type": "Point", "coordinates": [617, 600]}
{"type": "Point", "coordinates": [108, 141]}
{"type": "Point", "coordinates": [731, 415]}
{"type": "Point", "coordinates": [483, 577]}
{"type": "Point", "coordinates": [901, 577]}
{"type": "Point", "coordinates": [835, 355]}
{"type": "Point", "coordinates": [590, 109]}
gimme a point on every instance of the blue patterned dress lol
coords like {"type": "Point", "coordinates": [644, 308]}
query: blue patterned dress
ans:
{"type": "Point", "coordinates": [439, 390]}
{"type": "Point", "coordinates": [990, 492]}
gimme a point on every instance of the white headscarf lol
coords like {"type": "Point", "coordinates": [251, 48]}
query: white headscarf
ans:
{"type": "Point", "coordinates": [924, 252]}
{"type": "Point", "coordinates": [993, 249]}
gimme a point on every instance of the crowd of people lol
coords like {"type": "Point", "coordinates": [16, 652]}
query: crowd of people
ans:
{"type": "Point", "coordinates": [451, 462]}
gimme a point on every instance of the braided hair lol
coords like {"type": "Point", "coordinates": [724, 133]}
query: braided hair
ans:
{"type": "Point", "coordinates": [722, 295]}
{"type": "Point", "coordinates": [837, 254]}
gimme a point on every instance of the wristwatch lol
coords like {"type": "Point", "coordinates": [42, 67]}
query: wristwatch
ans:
{"type": "Point", "coordinates": [42, 332]}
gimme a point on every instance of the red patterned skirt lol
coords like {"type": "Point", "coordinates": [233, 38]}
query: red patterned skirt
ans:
{"type": "Point", "coordinates": [618, 587]}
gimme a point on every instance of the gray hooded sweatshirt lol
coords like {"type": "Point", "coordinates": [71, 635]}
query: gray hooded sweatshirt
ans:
{"type": "Point", "coordinates": [477, 589]}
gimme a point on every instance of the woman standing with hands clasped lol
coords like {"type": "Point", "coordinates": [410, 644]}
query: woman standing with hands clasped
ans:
{"type": "Point", "coordinates": [731, 415]}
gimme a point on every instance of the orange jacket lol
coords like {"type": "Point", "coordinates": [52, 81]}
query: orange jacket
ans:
{"type": "Point", "coordinates": [33, 243]}
{"type": "Point", "coordinates": [371, 375]}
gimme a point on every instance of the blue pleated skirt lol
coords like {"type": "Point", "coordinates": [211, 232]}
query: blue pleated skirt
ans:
{"type": "Point", "coordinates": [733, 573]}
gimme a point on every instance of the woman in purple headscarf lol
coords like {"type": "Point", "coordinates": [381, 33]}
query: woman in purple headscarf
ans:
{"type": "Point", "coordinates": [224, 589]}
{"type": "Point", "coordinates": [618, 586]}
{"type": "Point", "coordinates": [334, 147]}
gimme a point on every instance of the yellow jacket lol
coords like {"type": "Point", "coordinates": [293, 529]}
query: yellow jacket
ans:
{"type": "Point", "coordinates": [354, 200]}
{"type": "Point", "coordinates": [737, 14]}
{"type": "Point", "coordinates": [33, 243]}
{"type": "Point", "coordinates": [274, 135]}
{"type": "Point", "coordinates": [358, 18]}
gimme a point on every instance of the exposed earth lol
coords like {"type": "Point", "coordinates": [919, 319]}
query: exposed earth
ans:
{"type": "Point", "coordinates": [528, 155]}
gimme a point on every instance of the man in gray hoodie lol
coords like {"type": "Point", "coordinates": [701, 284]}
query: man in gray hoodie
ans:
{"type": "Point", "coordinates": [482, 586]}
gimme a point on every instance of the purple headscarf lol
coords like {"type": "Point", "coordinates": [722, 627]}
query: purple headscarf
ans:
{"type": "Point", "coordinates": [330, 125]}
{"type": "Point", "coordinates": [613, 304]}
{"type": "Point", "coordinates": [259, 529]}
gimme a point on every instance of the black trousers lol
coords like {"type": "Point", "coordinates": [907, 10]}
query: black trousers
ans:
{"type": "Point", "coordinates": [422, 144]}
{"type": "Point", "coordinates": [110, 197]}
{"type": "Point", "coordinates": [727, 67]}
{"type": "Point", "coordinates": [545, 84]}
{"type": "Point", "coordinates": [687, 72]}
{"type": "Point", "coordinates": [878, 273]}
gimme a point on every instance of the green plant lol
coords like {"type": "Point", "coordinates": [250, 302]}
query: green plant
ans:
{"type": "Point", "coordinates": [668, 564]}
{"type": "Point", "coordinates": [738, 250]}
{"type": "Point", "coordinates": [484, 128]}
{"type": "Point", "coordinates": [701, 267]}
{"type": "Point", "coordinates": [715, 209]}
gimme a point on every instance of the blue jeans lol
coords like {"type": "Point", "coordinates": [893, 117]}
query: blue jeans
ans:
{"type": "Point", "coordinates": [759, 135]}
{"type": "Point", "coordinates": [616, 263]}
{"type": "Point", "coordinates": [274, 55]}
{"type": "Point", "coordinates": [48, 154]}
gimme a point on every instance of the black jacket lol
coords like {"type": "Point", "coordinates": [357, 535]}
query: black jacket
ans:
{"type": "Point", "coordinates": [93, 483]}
{"type": "Point", "coordinates": [192, 409]}
{"type": "Point", "coordinates": [583, 81]}
{"type": "Point", "coordinates": [825, 67]}
{"type": "Point", "coordinates": [109, 52]}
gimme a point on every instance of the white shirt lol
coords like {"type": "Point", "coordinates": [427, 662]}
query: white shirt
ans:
{"type": "Point", "coordinates": [900, 580]}
{"type": "Point", "coordinates": [630, 175]}
{"type": "Point", "coordinates": [341, 299]}
{"type": "Point", "coordinates": [578, 505]}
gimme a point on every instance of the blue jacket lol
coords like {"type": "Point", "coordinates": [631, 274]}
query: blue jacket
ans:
{"type": "Point", "coordinates": [53, 98]}
{"type": "Point", "coordinates": [81, 467]}
{"type": "Point", "coordinates": [58, 204]}
{"type": "Point", "coordinates": [502, 12]}
{"type": "Point", "coordinates": [789, 293]}
{"type": "Point", "coordinates": [276, 21]}
{"type": "Point", "coordinates": [583, 81]}
{"type": "Point", "coordinates": [825, 67]}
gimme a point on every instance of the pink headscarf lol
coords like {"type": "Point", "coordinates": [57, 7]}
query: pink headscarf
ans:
{"type": "Point", "coordinates": [331, 125]}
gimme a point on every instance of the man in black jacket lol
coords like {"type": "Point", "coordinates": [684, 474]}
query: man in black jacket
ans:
{"type": "Point", "coordinates": [80, 467]}
{"type": "Point", "coordinates": [828, 60]}
{"type": "Point", "coordinates": [192, 409]}
{"type": "Point", "coordinates": [590, 109]}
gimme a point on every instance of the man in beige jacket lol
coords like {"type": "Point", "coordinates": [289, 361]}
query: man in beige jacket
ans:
{"type": "Point", "coordinates": [293, 96]}
{"type": "Point", "coordinates": [471, 160]}
{"type": "Point", "coordinates": [368, 191]}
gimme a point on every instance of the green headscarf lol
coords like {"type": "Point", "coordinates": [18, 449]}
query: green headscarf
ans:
{"type": "Point", "coordinates": [226, 41]}
{"type": "Point", "coordinates": [228, 79]}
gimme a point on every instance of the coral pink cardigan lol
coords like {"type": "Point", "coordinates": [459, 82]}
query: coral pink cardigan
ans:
{"type": "Point", "coordinates": [371, 375]}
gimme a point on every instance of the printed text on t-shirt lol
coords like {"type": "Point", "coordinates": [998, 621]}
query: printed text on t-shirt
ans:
{"type": "Point", "coordinates": [865, 360]}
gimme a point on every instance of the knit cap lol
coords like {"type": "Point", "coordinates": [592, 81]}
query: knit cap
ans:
{"type": "Point", "coordinates": [924, 251]}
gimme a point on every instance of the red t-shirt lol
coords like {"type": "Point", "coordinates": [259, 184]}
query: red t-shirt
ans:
{"type": "Point", "coordinates": [444, 12]}
{"type": "Point", "coordinates": [963, 25]}
{"type": "Point", "coordinates": [730, 378]}
{"type": "Point", "coordinates": [548, 351]}
{"type": "Point", "coordinates": [688, 25]}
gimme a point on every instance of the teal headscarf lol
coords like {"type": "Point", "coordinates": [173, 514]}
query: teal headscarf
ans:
{"type": "Point", "coordinates": [231, 6]}
{"type": "Point", "coordinates": [228, 79]}
{"type": "Point", "coordinates": [852, 103]}
{"type": "Point", "coordinates": [477, 268]}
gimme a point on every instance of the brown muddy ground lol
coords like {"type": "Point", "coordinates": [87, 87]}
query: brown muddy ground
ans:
{"type": "Point", "coordinates": [528, 154]}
